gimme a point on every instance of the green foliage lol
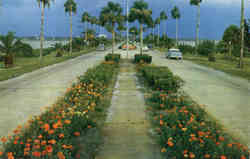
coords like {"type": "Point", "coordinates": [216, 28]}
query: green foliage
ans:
{"type": "Point", "coordinates": [25, 50]}
{"type": "Point", "coordinates": [195, 2]}
{"type": "Point", "coordinates": [142, 58]}
{"type": "Point", "coordinates": [206, 47]}
{"type": "Point", "coordinates": [70, 6]}
{"type": "Point", "coordinates": [211, 57]}
{"type": "Point", "coordinates": [113, 57]}
{"type": "Point", "coordinates": [9, 44]}
{"type": "Point", "coordinates": [140, 12]}
{"type": "Point", "coordinates": [176, 13]}
{"type": "Point", "coordinates": [186, 49]}
{"type": "Point", "coordinates": [161, 78]}
{"type": "Point", "coordinates": [232, 34]}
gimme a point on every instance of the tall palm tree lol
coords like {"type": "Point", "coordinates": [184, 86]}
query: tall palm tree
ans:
{"type": "Point", "coordinates": [85, 19]}
{"type": "Point", "coordinates": [70, 7]}
{"type": "Point", "coordinates": [142, 14]}
{"type": "Point", "coordinates": [176, 15]}
{"type": "Point", "coordinates": [111, 15]}
{"type": "Point", "coordinates": [242, 33]}
{"type": "Point", "coordinates": [158, 22]}
{"type": "Point", "coordinates": [42, 4]}
{"type": "Point", "coordinates": [164, 16]}
{"type": "Point", "coordinates": [197, 3]}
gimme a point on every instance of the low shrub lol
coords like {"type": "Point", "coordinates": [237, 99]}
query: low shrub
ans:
{"type": "Point", "coordinates": [160, 78]}
{"type": "Point", "coordinates": [68, 129]}
{"type": "Point", "coordinates": [113, 57]}
{"type": "Point", "coordinates": [206, 47]}
{"type": "Point", "coordinates": [185, 49]}
{"type": "Point", "coordinates": [142, 58]}
{"type": "Point", "coordinates": [211, 58]}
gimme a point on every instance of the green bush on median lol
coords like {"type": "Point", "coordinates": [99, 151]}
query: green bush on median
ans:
{"type": "Point", "coordinates": [143, 58]}
{"type": "Point", "coordinates": [113, 57]}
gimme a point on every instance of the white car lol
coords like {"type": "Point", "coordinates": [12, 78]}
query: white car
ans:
{"type": "Point", "coordinates": [174, 54]}
{"type": "Point", "coordinates": [145, 48]}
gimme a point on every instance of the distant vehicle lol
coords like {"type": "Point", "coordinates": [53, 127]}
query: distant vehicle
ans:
{"type": "Point", "coordinates": [174, 54]}
{"type": "Point", "coordinates": [150, 46]}
{"type": "Point", "coordinates": [145, 48]}
{"type": "Point", "coordinates": [101, 47]}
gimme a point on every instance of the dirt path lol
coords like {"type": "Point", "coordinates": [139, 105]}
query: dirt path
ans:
{"type": "Point", "coordinates": [126, 133]}
{"type": "Point", "coordinates": [26, 95]}
{"type": "Point", "coordinates": [227, 98]}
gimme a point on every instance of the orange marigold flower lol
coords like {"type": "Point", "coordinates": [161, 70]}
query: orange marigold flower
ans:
{"type": "Point", "coordinates": [67, 121]}
{"type": "Point", "coordinates": [43, 142]}
{"type": "Point", "coordinates": [50, 132]}
{"type": "Point", "coordinates": [60, 155]}
{"type": "Point", "coordinates": [163, 150]}
{"type": "Point", "coordinates": [44, 153]}
{"type": "Point", "coordinates": [46, 127]}
{"type": "Point", "coordinates": [4, 139]}
{"type": "Point", "coordinates": [229, 145]}
{"type": "Point", "coordinates": [1, 153]}
{"type": "Point", "coordinates": [27, 145]}
{"type": "Point", "coordinates": [36, 154]}
{"type": "Point", "coordinates": [77, 133]}
{"type": "Point", "coordinates": [161, 122]}
{"type": "Point", "coordinates": [25, 153]}
{"type": "Point", "coordinates": [61, 135]}
{"type": "Point", "coordinates": [15, 142]}
{"type": "Point", "coordinates": [49, 149]}
{"type": "Point", "coordinates": [191, 155]}
{"type": "Point", "coordinates": [223, 157]}
{"type": "Point", "coordinates": [170, 143]}
{"type": "Point", "coordinates": [37, 141]}
{"type": "Point", "coordinates": [221, 138]}
{"type": "Point", "coordinates": [207, 156]}
{"type": "Point", "coordinates": [40, 136]}
{"type": "Point", "coordinates": [89, 126]}
{"type": "Point", "coordinates": [52, 141]}
{"type": "Point", "coordinates": [242, 157]}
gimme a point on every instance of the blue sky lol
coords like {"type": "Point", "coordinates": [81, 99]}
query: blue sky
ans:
{"type": "Point", "coordinates": [23, 16]}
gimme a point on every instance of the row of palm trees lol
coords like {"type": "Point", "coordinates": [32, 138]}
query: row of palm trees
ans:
{"type": "Point", "coordinates": [111, 18]}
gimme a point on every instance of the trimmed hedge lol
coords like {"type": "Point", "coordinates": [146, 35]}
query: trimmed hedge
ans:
{"type": "Point", "coordinates": [113, 57]}
{"type": "Point", "coordinates": [185, 130]}
{"type": "Point", "coordinates": [70, 128]}
{"type": "Point", "coordinates": [143, 58]}
{"type": "Point", "coordinates": [161, 78]}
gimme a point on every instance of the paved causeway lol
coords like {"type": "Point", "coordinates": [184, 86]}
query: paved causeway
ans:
{"type": "Point", "coordinates": [126, 131]}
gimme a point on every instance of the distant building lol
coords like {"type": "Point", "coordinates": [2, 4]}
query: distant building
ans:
{"type": "Point", "coordinates": [102, 36]}
{"type": "Point", "coordinates": [192, 42]}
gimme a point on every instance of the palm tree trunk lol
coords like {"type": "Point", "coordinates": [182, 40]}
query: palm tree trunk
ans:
{"type": "Point", "coordinates": [113, 37]}
{"type": "Point", "coordinates": [242, 33]}
{"type": "Point", "coordinates": [176, 44]}
{"type": "Point", "coordinates": [71, 31]}
{"type": "Point", "coordinates": [86, 29]}
{"type": "Point", "coordinates": [165, 31]}
{"type": "Point", "coordinates": [42, 33]}
{"type": "Point", "coordinates": [197, 28]}
{"type": "Point", "coordinates": [153, 35]}
{"type": "Point", "coordinates": [141, 38]}
{"type": "Point", "coordinates": [158, 40]}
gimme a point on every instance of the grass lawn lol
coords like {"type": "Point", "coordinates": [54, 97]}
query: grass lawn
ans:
{"type": "Point", "coordinates": [222, 64]}
{"type": "Point", "coordinates": [25, 64]}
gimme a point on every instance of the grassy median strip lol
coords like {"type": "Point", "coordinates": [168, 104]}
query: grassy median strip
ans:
{"type": "Point", "coordinates": [71, 127]}
{"type": "Point", "coordinates": [222, 64]}
{"type": "Point", "coordinates": [184, 129]}
{"type": "Point", "coordinates": [29, 64]}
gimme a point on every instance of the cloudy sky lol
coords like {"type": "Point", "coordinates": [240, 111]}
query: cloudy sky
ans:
{"type": "Point", "coordinates": [23, 16]}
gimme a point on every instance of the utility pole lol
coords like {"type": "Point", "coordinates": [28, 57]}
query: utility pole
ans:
{"type": "Point", "coordinates": [127, 29]}
{"type": "Point", "coordinates": [242, 33]}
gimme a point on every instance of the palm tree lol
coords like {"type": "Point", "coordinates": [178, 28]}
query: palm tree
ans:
{"type": "Point", "coordinates": [44, 3]}
{"type": "Point", "coordinates": [242, 33]}
{"type": "Point", "coordinates": [176, 15]}
{"type": "Point", "coordinates": [85, 19]}
{"type": "Point", "coordinates": [134, 31]}
{"type": "Point", "coordinates": [158, 22]}
{"type": "Point", "coordinates": [112, 15]}
{"type": "Point", "coordinates": [9, 46]}
{"type": "Point", "coordinates": [164, 16]}
{"type": "Point", "coordinates": [142, 14]}
{"type": "Point", "coordinates": [197, 3]}
{"type": "Point", "coordinates": [70, 7]}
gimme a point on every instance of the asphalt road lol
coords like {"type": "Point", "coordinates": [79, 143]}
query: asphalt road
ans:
{"type": "Point", "coordinates": [26, 95]}
{"type": "Point", "coordinates": [227, 98]}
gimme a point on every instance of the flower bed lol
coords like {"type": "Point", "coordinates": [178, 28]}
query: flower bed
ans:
{"type": "Point", "coordinates": [70, 128]}
{"type": "Point", "coordinates": [185, 130]}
